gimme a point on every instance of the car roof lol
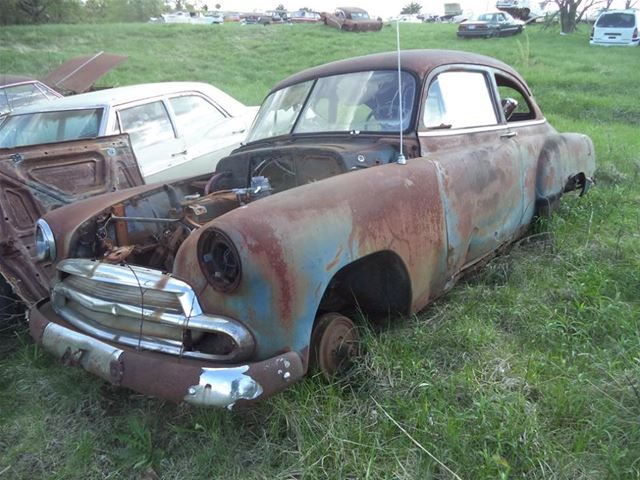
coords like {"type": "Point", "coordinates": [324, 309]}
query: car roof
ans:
{"type": "Point", "coordinates": [6, 80]}
{"type": "Point", "coordinates": [419, 62]}
{"type": "Point", "coordinates": [120, 95]}
{"type": "Point", "coordinates": [352, 10]}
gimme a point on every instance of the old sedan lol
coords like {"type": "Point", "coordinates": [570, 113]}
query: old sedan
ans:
{"type": "Point", "coordinates": [358, 188]}
{"type": "Point", "coordinates": [352, 19]}
{"type": "Point", "coordinates": [493, 24]}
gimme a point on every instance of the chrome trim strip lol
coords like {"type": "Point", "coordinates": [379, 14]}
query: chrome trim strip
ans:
{"type": "Point", "coordinates": [75, 348]}
{"type": "Point", "coordinates": [492, 128]}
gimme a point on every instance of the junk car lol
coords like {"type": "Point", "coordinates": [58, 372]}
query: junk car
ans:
{"type": "Point", "coordinates": [492, 24]}
{"type": "Point", "coordinates": [359, 188]}
{"type": "Point", "coordinates": [76, 75]}
{"type": "Point", "coordinates": [57, 152]}
{"type": "Point", "coordinates": [351, 19]}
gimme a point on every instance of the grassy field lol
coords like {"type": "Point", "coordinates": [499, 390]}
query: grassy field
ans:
{"type": "Point", "coordinates": [529, 369]}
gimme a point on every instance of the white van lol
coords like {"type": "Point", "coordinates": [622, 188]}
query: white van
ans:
{"type": "Point", "coordinates": [616, 27]}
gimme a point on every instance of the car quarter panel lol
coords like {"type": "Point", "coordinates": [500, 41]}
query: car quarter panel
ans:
{"type": "Point", "coordinates": [293, 243]}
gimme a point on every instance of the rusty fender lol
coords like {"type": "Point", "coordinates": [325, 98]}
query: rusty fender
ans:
{"type": "Point", "coordinates": [293, 243]}
{"type": "Point", "coordinates": [171, 378]}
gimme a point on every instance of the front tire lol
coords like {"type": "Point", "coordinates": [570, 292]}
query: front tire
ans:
{"type": "Point", "coordinates": [334, 344]}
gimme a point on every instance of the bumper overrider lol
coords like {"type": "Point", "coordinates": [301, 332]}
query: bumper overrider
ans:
{"type": "Point", "coordinates": [137, 328]}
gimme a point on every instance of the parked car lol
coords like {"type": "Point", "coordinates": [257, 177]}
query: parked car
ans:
{"type": "Point", "coordinates": [304, 16]}
{"type": "Point", "coordinates": [61, 151]}
{"type": "Point", "coordinates": [351, 19]}
{"type": "Point", "coordinates": [76, 75]}
{"type": "Point", "coordinates": [617, 27]}
{"type": "Point", "coordinates": [17, 91]}
{"type": "Point", "coordinates": [492, 24]}
{"type": "Point", "coordinates": [522, 9]}
{"type": "Point", "coordinates": [228, 288]}
{"type": "Point", "coordinates": [216, 18]}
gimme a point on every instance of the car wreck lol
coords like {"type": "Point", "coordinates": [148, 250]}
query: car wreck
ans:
{"type": "Point", "coordinates": [227, 288]}
{"type": "Point", "coordinates": [351, 19]}
{"type": "Point", "coordinates": [59, 152]}
{"type": "Point", "coordinates": [76, 75]}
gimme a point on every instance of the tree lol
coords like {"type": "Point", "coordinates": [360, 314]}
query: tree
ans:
{"type": "Point", "coordinates": [571, 12]}
{"type": "Point", "coordinates": [411, 9]}
{"type": "Point", "coordinates": [630, 3]}
{"type": "Point", "coordinates": [218, 6]}
{"type": "Point", "coordinates": [280, 7]}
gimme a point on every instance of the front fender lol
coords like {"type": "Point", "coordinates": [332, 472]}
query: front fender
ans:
{"type": "Point", "coordinates": [291, 245]}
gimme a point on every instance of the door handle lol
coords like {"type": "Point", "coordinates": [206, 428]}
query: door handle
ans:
{"type": "Point", "coordinates": [509, 135]}
{"type": "Point", "coordinates": [238, 131]}
{"type": "Point", "coordinates": [177, 154]}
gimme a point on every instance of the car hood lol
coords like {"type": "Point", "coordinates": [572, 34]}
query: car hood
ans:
{"type": "Point", "coordinates": [78, 75]}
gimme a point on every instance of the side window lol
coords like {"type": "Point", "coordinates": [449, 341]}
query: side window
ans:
{"type": "Point", "coordinates": [194, 114]}
{"type": "Point", "coordinates": [147, 124]}
{"type": "Point", "coordinates": [511, 92]}
{"type": "Point", "coordinates": [459, 100]}
{"type": "Point", "coordinates": [22, 95]}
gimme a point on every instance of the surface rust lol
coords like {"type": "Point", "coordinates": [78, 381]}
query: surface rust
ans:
{"type": "Point", "coordinates": [37, 179]}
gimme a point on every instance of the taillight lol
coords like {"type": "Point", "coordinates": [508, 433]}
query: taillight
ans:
{"type": "Point", "coordinates": [593, 32]}
{"type": "Point", "coordinates": [635, 33]}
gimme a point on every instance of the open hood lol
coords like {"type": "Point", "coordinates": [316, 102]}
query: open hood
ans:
{"type": "Point", "coordinates": [78, 74]}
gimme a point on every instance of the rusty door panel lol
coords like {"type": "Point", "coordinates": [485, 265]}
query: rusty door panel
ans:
{"type": "Point", "coordinates": [482, 192]}
{"type": "Point", "coordinates": [40, 178]}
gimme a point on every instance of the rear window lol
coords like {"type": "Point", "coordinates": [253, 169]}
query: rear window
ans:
{"type": "Point", "coordinates": [48, 127]}
{"type": "Point", "coordinates": [616, 20]}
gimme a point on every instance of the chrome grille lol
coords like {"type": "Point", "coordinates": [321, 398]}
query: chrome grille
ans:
{"type": "Point", "coordinates": [142, 308]}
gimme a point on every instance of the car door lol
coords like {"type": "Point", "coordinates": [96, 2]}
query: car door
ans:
{"type": "Point", "coordinates": [153, 138]}
{"type": "Point", "coordinates": [207, 131]}
{"type": "Point", "coordinates": [478, 163]}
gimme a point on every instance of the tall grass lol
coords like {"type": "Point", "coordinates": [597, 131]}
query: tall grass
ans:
{"type": "Point", "coordinates": [529, 369]}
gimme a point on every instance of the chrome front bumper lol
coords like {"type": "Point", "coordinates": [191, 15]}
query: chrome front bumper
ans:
{"type": "Point", "coordinates": [192, 381]}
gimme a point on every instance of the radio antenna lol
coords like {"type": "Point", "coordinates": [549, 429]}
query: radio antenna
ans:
{"type": "Point", "coordinates": [400, 160]}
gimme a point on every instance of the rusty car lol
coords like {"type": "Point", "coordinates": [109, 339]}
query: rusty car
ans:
{"type": "Point", "coordinates": [351, 19]}
{"type": "Point", "coordinates": [61, 151]}
{"type": "Point", "coordinates": [76, 75]}
{"type": "Point", "coordinates": [360, 188]}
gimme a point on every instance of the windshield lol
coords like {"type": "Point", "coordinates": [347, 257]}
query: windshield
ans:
{"type": "Point", "coordinates": [616, 20]}
{"type": "Point", "coordinates": [47, 127]}
{"type": "Point", "coordinates": [353, 102]}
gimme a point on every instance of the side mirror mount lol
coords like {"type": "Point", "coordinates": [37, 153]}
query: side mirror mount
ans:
{"type": "Point", "coordinates": [509, 106]}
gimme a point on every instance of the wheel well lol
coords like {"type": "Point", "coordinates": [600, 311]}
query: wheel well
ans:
{"type": "Point", "coordinates": [378, 285]}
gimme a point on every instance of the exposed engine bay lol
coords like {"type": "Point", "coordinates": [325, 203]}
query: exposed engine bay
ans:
{"type": "Point", "coordinates": [148, 229]}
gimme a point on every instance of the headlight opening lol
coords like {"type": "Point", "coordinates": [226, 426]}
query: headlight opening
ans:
{"type": "Point", "coordinates": [220, 261]}
{"type": "Point", "coordinates": [45, 242]}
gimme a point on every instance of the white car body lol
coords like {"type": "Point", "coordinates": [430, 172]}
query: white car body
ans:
{"type": "Point", "coordinates": [176, 129]}
{"type": "Point", "coordinates": [617, 27]}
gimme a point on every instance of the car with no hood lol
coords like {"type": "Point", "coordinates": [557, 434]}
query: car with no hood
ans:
{"type": "Point", "coordinates": [58, 152]}
{"type": "Point", "coordinates": [227, 288]}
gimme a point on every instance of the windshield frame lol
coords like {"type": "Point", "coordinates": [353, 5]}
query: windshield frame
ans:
{"type": "Point", "coordinates": [411, 124]}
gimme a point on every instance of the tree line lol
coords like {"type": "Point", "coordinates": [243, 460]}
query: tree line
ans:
{"type": "Point", "coordinates": [21, 12]}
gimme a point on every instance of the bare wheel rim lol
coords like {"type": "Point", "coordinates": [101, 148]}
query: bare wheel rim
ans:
{"type": "Point", "coordinates": [335, 343]}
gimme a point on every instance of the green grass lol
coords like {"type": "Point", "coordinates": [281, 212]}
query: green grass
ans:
{"type": "Point", "coordinates": [529, 369]}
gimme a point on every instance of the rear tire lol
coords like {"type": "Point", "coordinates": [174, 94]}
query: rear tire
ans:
{"type": "Point", "coordinates": [334, 343]}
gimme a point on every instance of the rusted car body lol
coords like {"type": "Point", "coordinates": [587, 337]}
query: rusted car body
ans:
{"type": "Point", "coordinates": [351, 19]}
{"type": "Point", "coordinates": [225, 289]}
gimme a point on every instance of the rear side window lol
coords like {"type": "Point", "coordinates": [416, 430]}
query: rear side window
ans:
{"type": "Point", "coordinates": [147, 124]}
{"type": "Point", "coordinates": [47, 127]}
{"type": "Point", "coordinates": [195, 114]}
{"type": "Point", "coordinates": [616, 20]}
{"type": "Point", "coordinates": [459, 100]}
{"type": "Point", "coordinates": [20, 96]}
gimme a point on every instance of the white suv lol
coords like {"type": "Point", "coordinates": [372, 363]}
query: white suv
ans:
{"type": "Point", "coordinates": [616, 27]}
